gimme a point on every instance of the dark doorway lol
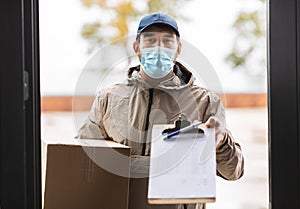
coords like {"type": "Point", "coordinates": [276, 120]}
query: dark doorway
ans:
{"type": "Point", "coordinates": [284, 104]}
{"type": "Point", "coordinates": [19, 106]}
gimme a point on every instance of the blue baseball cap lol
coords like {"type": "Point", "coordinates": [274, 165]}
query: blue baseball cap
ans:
{"type": "Point", "coordinates": [155, 18]}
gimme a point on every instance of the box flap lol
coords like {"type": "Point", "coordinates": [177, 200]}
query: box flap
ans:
{"type": "Point", "coordinates": [84, 142]}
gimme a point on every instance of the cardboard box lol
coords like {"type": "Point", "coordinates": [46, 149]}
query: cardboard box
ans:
{"type": "Point", "coordinates": [75, 174]}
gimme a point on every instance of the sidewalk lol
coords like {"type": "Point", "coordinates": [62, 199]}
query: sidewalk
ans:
{"type": "Point", "coordinates": [249, 127]}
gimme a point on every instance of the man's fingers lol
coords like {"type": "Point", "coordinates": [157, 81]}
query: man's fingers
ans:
{"type": "Point", "coordinates": [210, 123]}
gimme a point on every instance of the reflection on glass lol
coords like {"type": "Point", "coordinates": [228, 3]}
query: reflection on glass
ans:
{"type": "Point", "coordinates": [231, 34]}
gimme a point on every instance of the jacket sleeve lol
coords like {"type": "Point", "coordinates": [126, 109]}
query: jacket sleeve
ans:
{"type": "Point", "coordinates": [230, 160]}
{"type": "Point", "coordinates": [93, 127]}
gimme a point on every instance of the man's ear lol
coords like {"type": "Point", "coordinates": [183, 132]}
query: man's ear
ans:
{"type": "Point", "coordinates": [136, 47]}
{"type": "Point", "coordinates": [179, 48]}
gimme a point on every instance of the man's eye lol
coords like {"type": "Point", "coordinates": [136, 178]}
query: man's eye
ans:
{"type": "Point", "coordinates": [151, 40]}
{"type": "Point", "coordinates": [168, 41]}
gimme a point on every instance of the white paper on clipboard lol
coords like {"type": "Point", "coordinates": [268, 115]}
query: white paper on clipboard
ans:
{"type": "Point", "coordinates": [183, 166]}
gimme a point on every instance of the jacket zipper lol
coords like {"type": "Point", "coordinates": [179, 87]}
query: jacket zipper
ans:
{"type": "Point", "coordinates": [147, 121]}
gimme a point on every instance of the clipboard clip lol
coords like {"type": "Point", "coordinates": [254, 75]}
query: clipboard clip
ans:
{"type": "Point", "coordinates": [182, 125]}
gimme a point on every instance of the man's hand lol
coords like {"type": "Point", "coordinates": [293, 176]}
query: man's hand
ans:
{"type": "Point", "coordinates": [214, 122]}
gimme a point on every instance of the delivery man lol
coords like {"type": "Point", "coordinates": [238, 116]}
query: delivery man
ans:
{"type": "Point", "coordinates": [158, 91]}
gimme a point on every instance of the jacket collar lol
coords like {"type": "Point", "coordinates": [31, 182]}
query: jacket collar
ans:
{"type": "Point", "coordinates": [182, 78]}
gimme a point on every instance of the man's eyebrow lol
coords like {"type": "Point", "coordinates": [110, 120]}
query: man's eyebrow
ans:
{"type": "Point", "coordinates": [169, 35]}
{"type": "Point", "coordinates": [148, 34]}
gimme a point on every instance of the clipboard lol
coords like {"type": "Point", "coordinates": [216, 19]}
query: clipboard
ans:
{"type": "Point", "coordinates": [182, 168]}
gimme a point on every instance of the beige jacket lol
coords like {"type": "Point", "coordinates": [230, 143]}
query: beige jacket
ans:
{"type": "Point", "coordinates": [126, 113]}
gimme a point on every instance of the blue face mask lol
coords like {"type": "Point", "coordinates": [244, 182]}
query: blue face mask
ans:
{"type": "Point", "coordinates": [157, 61]}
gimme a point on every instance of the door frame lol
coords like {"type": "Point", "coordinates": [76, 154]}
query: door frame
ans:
{"type": "Point", "coordinates": [20, 161]}
{"type": "Point", "coordinates": [283, 103]}
{"type": "Point", "coordinates": [20, 158]}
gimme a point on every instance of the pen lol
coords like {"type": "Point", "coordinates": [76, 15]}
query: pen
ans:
{"type": "Point", "coordinates": [182, 130]}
